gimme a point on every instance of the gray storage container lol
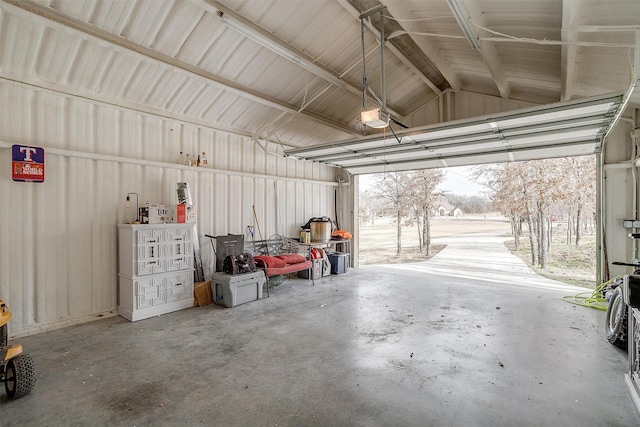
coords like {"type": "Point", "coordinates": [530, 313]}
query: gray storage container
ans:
{"type": "Point", "coordinates": [339, 263]}
{"type": "Point", "coordinates": [235, 289]}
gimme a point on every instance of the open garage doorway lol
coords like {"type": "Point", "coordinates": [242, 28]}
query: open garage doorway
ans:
{"type": "Point", "coordinates": [517, 202]}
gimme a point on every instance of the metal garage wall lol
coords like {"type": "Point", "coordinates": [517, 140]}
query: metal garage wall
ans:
{"type": "Point", "coordinates": [466, 105]}
{"type": "Point", "coordinates": [461, 105]}
{"type": "Point", "coordinates": [58, 248]}
{"type": "Point", "coordinates": [618, 200]}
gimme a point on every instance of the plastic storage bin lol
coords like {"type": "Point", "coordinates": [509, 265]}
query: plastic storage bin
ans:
{"type": "Point", "coordinates": [316, 270]}
{"type": "Point", "coordinates": [339, 263]}
{"type": "Point", "coordinates": [235, 289]}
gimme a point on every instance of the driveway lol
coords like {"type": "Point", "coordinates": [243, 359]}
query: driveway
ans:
{"type": "Point", "coordinates": [484, 257]}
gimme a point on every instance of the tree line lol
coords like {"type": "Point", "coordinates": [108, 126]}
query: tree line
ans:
{"type": "Point", "coordinates": [532, 194]}
{"type": "Point", "coordinates": [540, 192]}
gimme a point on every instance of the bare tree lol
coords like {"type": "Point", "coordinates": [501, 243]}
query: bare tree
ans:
{"type": "Point", "coordinates": [508, 185]}
{"type": "Point", "coordinates": [547, 178]}
{"type": "Point", "coordinates": [424, 183]}
{"type": "Point", "coordinates": [470, 204]}
{"type": "Point", "coordinates": [393, 189]}
{"type": "Point", "coordinates": [370, 206]}
{"type": "Point", "coordinates": [535, 190]}
{"type": "Point", "coordinates": [409, 195]}
{"type": "Point", "coordinates": [580, 188]}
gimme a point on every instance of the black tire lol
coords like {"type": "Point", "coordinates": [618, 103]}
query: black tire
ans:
{"type": "Point", "coordinates": [20, 376]}
{"type": "Point", "coordinates": [4, 335]}
{"type": "Point", "coordinates": [617, 321]}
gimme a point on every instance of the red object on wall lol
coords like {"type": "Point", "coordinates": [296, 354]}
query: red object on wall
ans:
{"type": "Point", "coordinates": [27, 163]}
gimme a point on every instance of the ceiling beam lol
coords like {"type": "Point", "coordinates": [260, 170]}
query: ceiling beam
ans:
{"type": "Point", "coordinates": [256, 33]}
{"type": "Point", "coordinates": [569, 33]}
{"type": "Point", "coordinates": [487, 50]}
{"type": "Point", "coordinates": [399, 8]}
{"type": "Point", "coordinates": [266, 39]}
{"type": "Point", "coordinates": [117, 40]}
{"type": "Point", "coordinates": [406, 61]}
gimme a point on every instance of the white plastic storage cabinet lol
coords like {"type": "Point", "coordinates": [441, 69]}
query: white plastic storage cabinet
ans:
{"type": "Point", "coordinates": [155, 269]}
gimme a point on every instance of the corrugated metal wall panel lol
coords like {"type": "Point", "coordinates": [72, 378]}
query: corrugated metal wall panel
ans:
{"type": "Point", "coordinates": [463, 105]}
{"type": "Point", "coordinates": [79, 125]}
{"type": "Point", "coordinates": [64, 60]}
{"type": "Point", "coordinates": [15, 122]}
{"type": "Point", "coordinates": [201, 41]}
{"type": "Point", "coordinates": [144, 26]}
{"type": "Point", "coordinates": [111, 15]}
{"type": "Point", "coordinates": [178, 26]}
{"type": "Point", "coordinates": [30, 36]}
{"type": "Point", "coordinates": [467, 105]}
{"type": "Point", "coordinates": [107, 125]}
{"type": "Point", "coordinates": [307, 131]}
{"type": "Point", "coordinates": [220, 58]}
{"type": "Point", "coordinates": [58, 247]}
{"type": "Point", "coordinates": [426, 115]}
{"type": "Point", "coordinates": [46, 117]}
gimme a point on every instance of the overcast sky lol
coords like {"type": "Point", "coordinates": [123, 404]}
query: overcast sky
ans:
{"type": "Point", "coordinates": [457, 181]}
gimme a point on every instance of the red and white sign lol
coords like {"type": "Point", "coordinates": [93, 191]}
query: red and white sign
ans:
{"type": "Point", "coordinates": [27, 163]}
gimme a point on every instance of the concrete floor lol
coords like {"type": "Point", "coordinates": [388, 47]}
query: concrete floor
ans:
{"type": "Point", "coordinates": [469, 338]}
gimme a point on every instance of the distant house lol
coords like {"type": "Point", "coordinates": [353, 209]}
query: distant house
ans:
{"type": "Point", "coordinates": [446, 209]}
{"type": "Point", "coordinates": [456, 212]}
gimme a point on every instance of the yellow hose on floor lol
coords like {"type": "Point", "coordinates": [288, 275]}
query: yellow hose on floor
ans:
{"type": "Point", "coordinates": [593, 299]}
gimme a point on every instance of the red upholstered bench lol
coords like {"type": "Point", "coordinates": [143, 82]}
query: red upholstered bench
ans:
{"type": "Point", "coordinates": [282, 264]}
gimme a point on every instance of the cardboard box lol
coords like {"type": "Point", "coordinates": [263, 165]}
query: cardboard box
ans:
{"type": "Point", "coordinates": [202, 293]}
{"type": "Point", "coordinates": [155, 215]}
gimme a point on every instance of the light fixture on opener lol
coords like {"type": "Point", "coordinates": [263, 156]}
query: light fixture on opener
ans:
{"type": "Point", "coordinates": [464, 21]}
{"type": "Point", "coordinates": [375, 118]}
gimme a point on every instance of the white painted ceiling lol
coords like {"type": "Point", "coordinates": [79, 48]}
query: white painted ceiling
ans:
{"type": "Point", "coordinates": [290, 71]}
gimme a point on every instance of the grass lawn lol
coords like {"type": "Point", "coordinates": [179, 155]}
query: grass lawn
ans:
{"type": "Point", "coordinates": [567, 263]}
{"type": "Point", "coordinates": [378, 240]}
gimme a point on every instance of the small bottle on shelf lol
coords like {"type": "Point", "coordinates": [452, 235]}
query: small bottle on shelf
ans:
{"type": "Point", "coordinates": [181, 159]}
{"type": "Point", "coordinates": [203, 159]}
{"type": "Point", "coordinates": [188, 162]}
{"type": "Point", "coordinates": [198, 162]}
